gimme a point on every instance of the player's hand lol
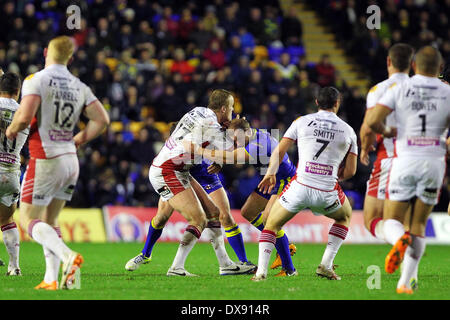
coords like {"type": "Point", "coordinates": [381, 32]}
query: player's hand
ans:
{"type": "Point", "coordinates": [267, 183]}
{"type": "Point", "coordinates": [364, 156]}
{"type": "Point", "coordinates": [214, 168]}
{"type": "Point", "coordinates": [390, 132]}
{"type": "Point", "coordinates": [9, 134]}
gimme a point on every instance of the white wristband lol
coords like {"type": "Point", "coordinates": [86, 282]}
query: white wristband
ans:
{"type": "Point", "coordinates": [387, 130]}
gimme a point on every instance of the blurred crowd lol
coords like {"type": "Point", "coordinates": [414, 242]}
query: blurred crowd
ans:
{"type": "Point", "coordinates": [151, 61]}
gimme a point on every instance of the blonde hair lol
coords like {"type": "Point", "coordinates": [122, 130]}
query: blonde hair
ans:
{"type": "Point", "coordinates": [60, 49]}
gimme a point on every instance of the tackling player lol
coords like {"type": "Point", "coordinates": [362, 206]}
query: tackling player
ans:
{"type": "Point", "coordinates": [255, 146]}
{"type": "Point", "coordinates": [52, 102]}
{"type": "Point", "coordinates": [10, 168]}
{"type": "Point", "coordinates": [325, 141]}
{"type": "Point", "coordinates": [206, 176]}
{"type": "Point", "coordinates": [421, 105]}
{"type": "Point", "coordinates": [398, 64]}
{"type": "Point", "coordinates": [170, 177]}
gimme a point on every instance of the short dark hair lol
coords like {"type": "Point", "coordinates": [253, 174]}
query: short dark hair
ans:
{"type": "Point", "coordinates": [218, 98]}
{"type": "Point", "coordinates": [401, 55]}
{"type": "Point", "coordinates": [428, 60]}
{"type": "Point", "coordinates": [327, 97]}
{"type": "Point", "coordinates": [10, 83]}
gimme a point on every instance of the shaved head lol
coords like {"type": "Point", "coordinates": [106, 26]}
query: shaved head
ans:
{"type": "Point", "coordinates": [428, 61]}
{"type": "Point", "coordinates": [60, 49]}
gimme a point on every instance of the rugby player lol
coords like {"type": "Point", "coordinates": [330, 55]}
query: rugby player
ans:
{"type": "Point", "coordinates": [325, 142]}
{"type": "Point", "coordinates": [52, 102]}
{"type": "Point", "coordinates": [398, 63]}
{"type": "Point", "coordinates": [421, 105]}
{"type": "Point", "coordinates": [10, 168]}
{"type": "Point", "coordinates": [255, 146]}
{"type": "Point", "coordinates": [170, 177]}
{"type": "Point", "coordinates": [206, 175]}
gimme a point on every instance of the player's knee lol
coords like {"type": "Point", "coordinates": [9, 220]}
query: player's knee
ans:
{"type": "Point", "coordinates": [226, 219]}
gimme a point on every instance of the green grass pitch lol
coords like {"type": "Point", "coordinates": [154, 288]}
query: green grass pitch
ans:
{"type": "Point", "coordinates": [104, 276]}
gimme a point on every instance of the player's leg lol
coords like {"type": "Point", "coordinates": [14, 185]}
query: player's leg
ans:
{"type": "Point", "coordinates": [187, 203]}
{"type": "Point", "coordinates": [414, 252]}
{"type": "Point", "coordinates": [232, 230]}
{"type": "Point", "coordinates": [284, 249]}
{"type": "Point", "coordinates": [395, 234]}
{"type": "Point", "coordinates": [336, 236]}
{"type": "Point", "coordinates": [213, 231]}
{"type": "Point", "coordinates": [278, 216]}
{"type": "Point", "coordinates": [154, 232]}
{"type": "Point", "coordinates": [11, 237]}
{"type": "Point", "coordinates": [373, 216]}
{"type": "Point", "coordinates": [253, 208]}
{"type": "Point", "coordinates": [52, 261]}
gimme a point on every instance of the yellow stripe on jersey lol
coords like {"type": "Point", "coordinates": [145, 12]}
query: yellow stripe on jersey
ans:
{"type": "Point", "coordinates": [30, 76]}
{"type": "Point", "coordinates": [282, 184]}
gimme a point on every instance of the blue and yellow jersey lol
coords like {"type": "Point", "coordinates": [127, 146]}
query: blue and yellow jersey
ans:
{"type": "Point", "coordinates": [260, 149]}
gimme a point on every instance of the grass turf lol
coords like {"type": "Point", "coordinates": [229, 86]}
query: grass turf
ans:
{"type": "Point", "coordinates": [104, 276]}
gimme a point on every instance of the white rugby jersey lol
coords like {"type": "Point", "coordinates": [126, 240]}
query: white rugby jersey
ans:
{"type": "Point", "coordinates": [385, 146]}
{"type": "Point", "coordinates": [422, 114]}
{"type": "Point", "coordinates": [63, 98]}
{"type": "Point", "coordinates": [10, 150]}
{"type": "Point", "coordinates": [199, 126]}
{"type": "Point", "coordinates": [323, 140]}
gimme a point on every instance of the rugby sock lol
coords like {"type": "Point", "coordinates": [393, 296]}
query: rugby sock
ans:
{"type": "Point", "coordinates": [213, 232]}
{"type": "Point", "coordinates": [393, 230]}
{"type": "Point", "coordinates": [282, 246]}
{"type": "Point", "coordinates": [12, 242]}
{"type": "Point", "coordinates": [266, 245]}
{"type": "Point", "coordinates": [152, 236]}
{"type": "Point", "coordinates": [45, 235]}
{"type": "Point", "coordinates": [52, 262]}
{"type": "Point", "coordinates": [236, 242]}
{"type": "Point", "coordinates": [411, 261]}
{"type": "Point", "coordinates": [258, 222]}
{"type": "Point", "coordinates": [377, 228]}
{"type": "Point", "coordinates": [336, 236]}
{"type": "Point", "coordinates": [189, 239]}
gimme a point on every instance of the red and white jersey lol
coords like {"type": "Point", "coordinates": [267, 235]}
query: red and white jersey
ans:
{"type": "Point", "coordinates": [199, 126]}
{"type": "Point", "coordinates": [422, 113]}
{"type": "Point", "coordinates": [385, 146]}
{"type": "Point", "coordinates": [323, 141]}
{"type": "Point", "coordinates": [63, 98]}
{"type": "Point", "coordinates": [10, 150]}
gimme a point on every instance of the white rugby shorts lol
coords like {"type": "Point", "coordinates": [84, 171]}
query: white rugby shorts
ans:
{"type": "Point", "coordinates": [46, 179]}
{"type": "Point", "coordinates": [167, 182]}
{"type": "Point", "coordinates": [297, 196]}
{"type": "Point", "coordinates": [377, 183]}
{"type": "Point", "coordinates": [410, 177]}
{"type": "Point", "coordinates": [9, 187]}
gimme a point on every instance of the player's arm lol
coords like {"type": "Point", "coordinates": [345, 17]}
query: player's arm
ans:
{"type": "Point", "coordinates": [268, 182]}
{"type": "Point", "coordinates": [23, 116]}
{"type": "Point", "coordinates": [368, 138]}
{"type": "Point", "coordinates": [376, 118]}
{"type": "Point", "coordinates": [349, 168]}
{"type": "Point", "coordinates": [98, 121]}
